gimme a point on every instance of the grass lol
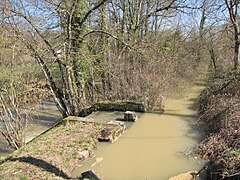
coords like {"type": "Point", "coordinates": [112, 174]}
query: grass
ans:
{"type": "Point", "coordinates": [54, 154]}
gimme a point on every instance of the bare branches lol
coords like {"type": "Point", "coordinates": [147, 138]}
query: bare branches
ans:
{"type": "Point", "coordinates": [91, 11]}
{"type": "Point", "coordinates": [109, 34]}
{"type": "Point", "coordinates": [13, 121]}
{"type": "Point", "coordinates": [167, 7]}
{"type": "Point", "coordinates": [232, 7]}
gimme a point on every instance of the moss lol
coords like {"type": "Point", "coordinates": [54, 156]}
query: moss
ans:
{"type": "Point", "coordinates": [114, 106]}
{"type": "Point", "coordinates": [24, 178]}
{"type": "Point", "coordinates": [120, 106]}
{"type": "Point", "coordinates": [70, 118]}
{"type": "Point", "coordinates": [235, 153]}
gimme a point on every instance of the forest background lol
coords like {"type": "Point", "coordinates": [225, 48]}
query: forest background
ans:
{"type": "Point", "coordinates": [79, 52]}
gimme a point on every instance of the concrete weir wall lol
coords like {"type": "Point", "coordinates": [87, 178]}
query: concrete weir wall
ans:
{"type": "Point", "coordinates": [114, 106]}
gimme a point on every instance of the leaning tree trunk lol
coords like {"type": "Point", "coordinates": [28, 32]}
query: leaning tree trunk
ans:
{"type": "Point", "coordinates": [57, 95]}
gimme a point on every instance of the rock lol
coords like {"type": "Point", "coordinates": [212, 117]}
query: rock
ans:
{"type": "Point", "coordinates": [118, 123]}
{"type": "Point", "coordinates": [130, 116]}
{"type": "Point", "coordinates": [111, 131]}
{"type": "Point", "coordinates": [106, 135]}
{"type": "Point", "coordinates": [89, 175]}
{"type": "Point", "coordinates": [84, 154]}
{"type": "Point", "coordinates": [184, 176]}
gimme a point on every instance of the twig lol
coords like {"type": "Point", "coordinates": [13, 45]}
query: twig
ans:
{"type": "Point", "coordinates": [111, 35]}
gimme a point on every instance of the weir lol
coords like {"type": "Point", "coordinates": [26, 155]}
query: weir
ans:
{"type": "Point", "coordinates": [154, 147]}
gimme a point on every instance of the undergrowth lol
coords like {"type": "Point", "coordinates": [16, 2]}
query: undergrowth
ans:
{"type": "Point", "coordinates": [219, 116]}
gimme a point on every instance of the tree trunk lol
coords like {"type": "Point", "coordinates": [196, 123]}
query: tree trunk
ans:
{"type": "Point", "coordinates": [57, 95]}
{"type": "Point", "coordinates": [213, 58]}
{"type": "Point", "coordinates": [236, 48]}
{"type": "Point", "coordinates": [232, 7]}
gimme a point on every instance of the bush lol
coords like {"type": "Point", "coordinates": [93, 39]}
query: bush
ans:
{"type": "Point", "coordinates": [219, 113]}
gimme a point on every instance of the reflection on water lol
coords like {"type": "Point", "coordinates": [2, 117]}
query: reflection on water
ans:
{"type": "Point", "coordinates": [104, 117]}
{"type": "Point", "coordinates": [150, 148]}
{"type": "Point", "coordinates": [44, 117]}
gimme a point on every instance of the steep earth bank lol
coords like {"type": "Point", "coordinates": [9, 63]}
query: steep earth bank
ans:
{"type": "Point", "coordinates": [219, 116]}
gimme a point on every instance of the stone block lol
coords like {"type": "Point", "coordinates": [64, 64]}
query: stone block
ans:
{"type": "Point", "coordinates": [111, 131]}
{"type": "Point", "coordinates": [130, 116]}
{"type": "Point", "coordinates": [91, 175]}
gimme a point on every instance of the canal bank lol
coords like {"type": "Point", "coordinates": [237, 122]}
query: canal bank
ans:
{"type": "Point", "coordinates": [154, 147]}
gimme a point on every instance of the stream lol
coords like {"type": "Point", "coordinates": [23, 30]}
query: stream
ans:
{"type": "Point", "coordinates": [45, 116]}
{"type": "Point", "coordinates": [154, 147]}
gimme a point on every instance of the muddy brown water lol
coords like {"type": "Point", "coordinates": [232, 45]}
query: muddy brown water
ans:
{"type": "Point", "coordinates": [154, 148]}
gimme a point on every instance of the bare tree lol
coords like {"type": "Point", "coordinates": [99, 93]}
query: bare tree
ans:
{"type": "Point", "coordinates": [69, 98]}
{"type": "Point", "coordinates": [233, 10]}
{"type": "Point", "coordinates": [97, 50]}
{"type": "Point", "coordinates": [13, 120]}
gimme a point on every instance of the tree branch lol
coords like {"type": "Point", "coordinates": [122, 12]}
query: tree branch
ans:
{"type": "Point", "coordinates": [91, 11]}
{"type": "Point", "coordinates": [165, 8]}
{"type": "Point", "coordinates": [111, 35]}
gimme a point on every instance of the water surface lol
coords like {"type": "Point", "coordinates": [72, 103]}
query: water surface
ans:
{"type": "Point", "coordinates": [152, 148]}
{"type": "Point", "coordinates": [45, 116]}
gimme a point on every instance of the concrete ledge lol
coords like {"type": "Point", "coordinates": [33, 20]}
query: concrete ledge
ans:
{"type": "Point", "coordinates": [114, 106]}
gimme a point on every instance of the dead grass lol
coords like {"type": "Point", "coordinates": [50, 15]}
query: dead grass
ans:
{"type": "Point", "coordinates": [219, 115]}
{"type": "Point", "coordinates": [54, 154]}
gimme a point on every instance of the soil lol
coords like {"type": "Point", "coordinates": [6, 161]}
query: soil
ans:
{"type": "Point", "coordinates": [219, 113]}
{"type": "Point", "coordinates": [54, 154]}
